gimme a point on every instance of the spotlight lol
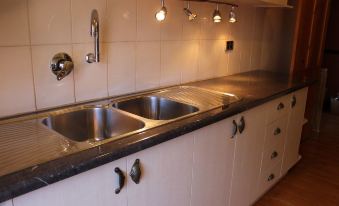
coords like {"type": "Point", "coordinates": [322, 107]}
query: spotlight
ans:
{"type": "Point", "coordinates": [232, 17]}
{"type": "Point", "coordinates": [161, 14]}
{"type": "Point", "coordinates": [216, 15]}
{"type": "Point", "coordinates": [188, 12]}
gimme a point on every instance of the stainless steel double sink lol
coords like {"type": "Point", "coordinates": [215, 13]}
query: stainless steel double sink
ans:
{"type": "Point", "coordinates": [127, 116]}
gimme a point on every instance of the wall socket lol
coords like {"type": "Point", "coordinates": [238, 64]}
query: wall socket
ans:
{"type": "Point", "coordinates": [229, 46]}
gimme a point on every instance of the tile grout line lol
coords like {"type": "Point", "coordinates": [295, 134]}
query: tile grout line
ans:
{"type": "Point", "coordinates": [31, 55]}
{"type": "Point", "coordinates": [72, 50]}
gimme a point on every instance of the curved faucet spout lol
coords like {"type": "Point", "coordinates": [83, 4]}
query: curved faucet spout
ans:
{"type": "Point", "coordinates": [90, 58]}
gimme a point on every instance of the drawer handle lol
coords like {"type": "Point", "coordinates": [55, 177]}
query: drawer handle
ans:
{"type": "Point", "coordinates": [294, 101]}
{"type": "Point", "coordinates": [274, 155]}
{"type": "Point", "coordinates": [277, 131]}
{"type": "Point", "coordinates": [121, 179]}
{"type": "Point", "coordinates": [242, 125]}
{"type": "Point", "coordinates": [271, 177]}
{"type": "Point", "coordinates": [280, 106]}
{"type": "Point", "coordinates": [235, 129]}
{"type": "Point", "coordinates": [135, 173]}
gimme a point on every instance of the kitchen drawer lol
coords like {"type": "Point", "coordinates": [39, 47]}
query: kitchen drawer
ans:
{"type": "Point", "coordinates": [276, 132]}
{"type": "Point", "coordinates": [268, 178]}
{"type": "Point", "coordinates": [272, 156]}
{"type": "Point", "coordinates": [278, 108]}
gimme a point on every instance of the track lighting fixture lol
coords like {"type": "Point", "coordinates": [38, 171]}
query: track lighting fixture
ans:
{"type": "Point", "coordinates": [232, 17]}
{"type": "Point", "coordinates": [189, 13]}
{"type": "Point", "coordinates": [216, 15]}
{"type": "Point", "coordinates": [161, 14]}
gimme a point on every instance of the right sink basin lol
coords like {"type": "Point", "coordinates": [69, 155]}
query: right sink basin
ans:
{"type": "Point", "coordinates": [155, 108]}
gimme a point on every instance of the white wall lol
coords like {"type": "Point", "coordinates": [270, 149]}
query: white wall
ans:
{"type": "Point", "coordinates": [137, 52]}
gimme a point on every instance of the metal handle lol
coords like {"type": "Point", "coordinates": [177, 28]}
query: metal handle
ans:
{"type": "Point", "coordinates": [121, 176]}
{"type": "Point", "coordinates": [235, 129]}
{"type": "Point", "coordinates": [135, 173]}
{"type": "Point", "coordinates": [242, 125]}
{"type": "Point", "coordinates": [274, 155]}
{"type": "Point", "coordinates": [294, 101]}
{"type": "Point", "coordinates": [61, 65]}
{"type": "Point", "coordinates": [280, 106]}
{"type": "Point", "coordinates": [271, 177]}
{"type": "Point", "coordinates": [277, 131]}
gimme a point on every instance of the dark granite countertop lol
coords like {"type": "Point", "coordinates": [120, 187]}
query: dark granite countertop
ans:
{"type": "Point", "coordinates": [33, 167]}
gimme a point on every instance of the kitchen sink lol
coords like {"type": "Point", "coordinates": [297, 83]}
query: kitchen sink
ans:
{"type": "Point", "coordinates": [155, 108]}
{"type": "Point", "coordinates": [94, 124]}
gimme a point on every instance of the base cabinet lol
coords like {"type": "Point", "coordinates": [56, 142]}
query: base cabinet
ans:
{"type": "Point", "coordinates": [213, 164]}
{"type": "Point", "coordinates": [294, 129]}
{"type": "Point", "coordinates": [248, 150]}
{"type": "Point", "coordinates": [232, 162]}
{"type": "Point", "coordinates": [7, 203]}
{"type": "Point", "coordinates": [166, 174]}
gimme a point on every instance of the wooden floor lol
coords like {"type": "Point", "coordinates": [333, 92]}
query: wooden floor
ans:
{"type": "Point", "coordinates": [315, 180]}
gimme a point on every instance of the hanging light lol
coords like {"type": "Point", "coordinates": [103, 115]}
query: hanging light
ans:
{"type": "Point", "coordinates": [161, 14]}
{"type": "Point", "coordinates": [232, 17]}
{"type": "Point", "coordinates": [189, 13]}
{"type": "Point", "coordinates": [216, 15]}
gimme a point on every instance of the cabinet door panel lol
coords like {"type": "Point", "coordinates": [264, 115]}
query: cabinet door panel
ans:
{"type": "Point", "coordinates": [94, 187]}
{"type": "Point", "coordinates": [248, 155]}
{"type": "Point", "coordinates": [213, 163]}
{"type": "Point", "coordinates": [7, 203]}
{"type": "Point", "coordinates": [295, 124]}
{"type": "Point", "coordinates": [166, 174]}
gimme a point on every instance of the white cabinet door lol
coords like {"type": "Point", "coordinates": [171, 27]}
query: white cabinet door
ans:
{"type": "Point", "coordinates": [166, 174]}
{"type": "Point", "coordinates": [94, 187]}
{"type": "Point", "coordinates": [213, 162]}
{"type": "Point", "coordinates": [294, 129]}
{"type": "Point", "coordinates": [7, 203]}
{"type": "Point", "coordinates": [248, 155]}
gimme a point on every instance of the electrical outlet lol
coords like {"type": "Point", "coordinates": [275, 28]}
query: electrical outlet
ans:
{"type": "Point", "coordinates": [229, 46]}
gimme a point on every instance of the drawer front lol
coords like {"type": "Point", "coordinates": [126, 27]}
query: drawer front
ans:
{"type": "Point", "coordinates": [276, 132]}
{"type": "Point", "coordinates": [268, 178]}
{"type": "Point", "coordinates": [278, 108]}
{"type": "Point", "coordinates": [272, 156]}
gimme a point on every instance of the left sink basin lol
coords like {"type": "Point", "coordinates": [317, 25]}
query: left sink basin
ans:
{"type": "Point", "coordinates": [92, 124]}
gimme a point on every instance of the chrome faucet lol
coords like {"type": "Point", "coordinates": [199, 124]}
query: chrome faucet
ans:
{"type": "Point", "coordinates": [90, 58]}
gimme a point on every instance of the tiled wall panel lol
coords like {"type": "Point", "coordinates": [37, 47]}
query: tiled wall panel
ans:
{"type": "Point", "coordinates": [137, 52]}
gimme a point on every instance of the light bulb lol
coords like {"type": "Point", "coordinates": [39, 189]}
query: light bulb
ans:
{"type": "Point", "coordinates": [161, 14]}
{"type": "Point", "coordinates": [232, 17]}
{"type": "Point", "coordinates": [216, 15]}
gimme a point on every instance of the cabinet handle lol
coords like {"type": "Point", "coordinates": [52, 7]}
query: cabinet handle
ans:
{"type": "Point", "coordinates": [135, 173]}
{"type": "Point", "coordinates": [294, 101]}
{"type": "Point", "coordinates": [280, 106]}
{"type": "Point", "coordinates": [271, 177]}
{"type": "Point", "coordinates": [235, 129]}
{"type": "Point", "coordinates": [242, 125]}
{"type": "Point", "coordinates": [274, 155]}
{"type": "Point", "coordinates": [121, 179]}
{"type": "Point", "coordinates": [277, 131]}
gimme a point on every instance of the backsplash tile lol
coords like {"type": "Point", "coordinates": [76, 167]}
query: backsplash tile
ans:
{"type": "Point", "coordinates": [147, 65]}
{"type": "Point", "coordinates": [16, 81]}
{"type": "Point", "coordinates": [148, 29]}
{"type": "Point", "coordinates": [90, 79]}
{"type": "Point", "coordinates": [121, 68]}
{"type": "Point", "coordinates": [137, 52]}
{"type": "Point", "coordinates": [49, 91]}
{"type": "Point", "coordinates": [14, 23]}
{"type": "Point", "coordinates": [50, 21]}
{"type": "Point", "coordinates": [121, 20]}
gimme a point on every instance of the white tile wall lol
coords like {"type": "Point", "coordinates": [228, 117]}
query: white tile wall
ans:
{"type": "Point", "coordinates": [137, 52]}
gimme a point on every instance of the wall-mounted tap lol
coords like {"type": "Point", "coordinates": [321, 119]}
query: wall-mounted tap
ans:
{"type": "Point", "coordinates": [62, 65]}
{"type": "Point", "coordinates": [90, 58]}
